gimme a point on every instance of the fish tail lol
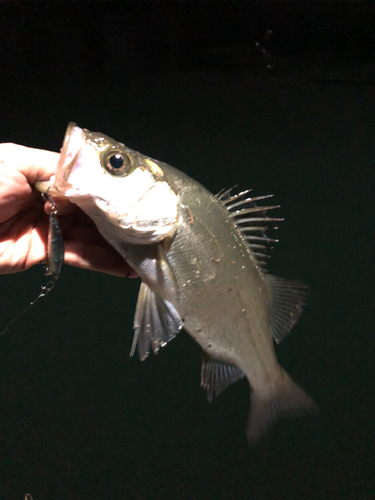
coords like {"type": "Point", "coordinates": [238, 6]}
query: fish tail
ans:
{"type": "Point", "coordinates": [286, 399]}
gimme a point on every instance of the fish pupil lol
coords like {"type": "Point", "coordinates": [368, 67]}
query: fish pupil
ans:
{"type": "Point", "coordinates": [116, 161]}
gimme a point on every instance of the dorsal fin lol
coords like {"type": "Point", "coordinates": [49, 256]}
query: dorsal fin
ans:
{"type": "Point", "coordinates": [252, 221]}
{"type": "Point", "coordinates": [216, 375]}
{"type": "Point", "coordinates": [224, 193]}
{"type": "Point", "coordinates": [287, 302]}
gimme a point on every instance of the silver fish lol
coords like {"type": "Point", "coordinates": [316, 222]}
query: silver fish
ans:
{"type": "Point", "coordinates": [201, 259]}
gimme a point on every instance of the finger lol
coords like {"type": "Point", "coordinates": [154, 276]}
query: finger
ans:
{"type": "Point", "coordinates": [78, 226]}
{"type": "Point", "coordinates": [89, 234]}
{"type": "Point", "coordinates": [62, 205]}
{"type": "Point", "coordinates": [34, 164]}
{"type": "Point", "coordinates": [96, 258]}
{"type": "Point", "coordinates": [23, 241]}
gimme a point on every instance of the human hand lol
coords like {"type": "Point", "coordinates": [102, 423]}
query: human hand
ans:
{"type": "Point", "coordinates": [24, 219]}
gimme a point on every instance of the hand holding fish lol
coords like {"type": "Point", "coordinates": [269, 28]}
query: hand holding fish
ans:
{"type": "Point", "coordinates": [24, 219]}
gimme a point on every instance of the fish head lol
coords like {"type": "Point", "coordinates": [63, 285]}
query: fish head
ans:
{"type": "Point", "coordinates": [119, 188]}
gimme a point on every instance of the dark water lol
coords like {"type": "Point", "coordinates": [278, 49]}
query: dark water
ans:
{"type": "Point", "coordinates": [78, 418]}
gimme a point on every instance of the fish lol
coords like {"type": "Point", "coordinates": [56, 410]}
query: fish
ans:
{"type": "Point", "coordinates": [201, 259]}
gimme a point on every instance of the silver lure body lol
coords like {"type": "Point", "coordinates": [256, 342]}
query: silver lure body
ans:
{"type": "Point", "coordinates": [55, 245]}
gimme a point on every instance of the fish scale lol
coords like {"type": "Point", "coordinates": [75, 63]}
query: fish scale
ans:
{"type": "Point", "coordinates": [207, 239]}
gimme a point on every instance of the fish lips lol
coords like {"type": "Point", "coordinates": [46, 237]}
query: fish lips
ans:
{"type": "Point", "coordinates": [58, 184]}
{"type": "Point", "coordinates": [73, 141]}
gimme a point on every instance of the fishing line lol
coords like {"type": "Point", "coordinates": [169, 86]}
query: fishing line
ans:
{"type": "Point", "coordinates": [43, 292]}
{"type": "Point", "coordinates": [55, 253]}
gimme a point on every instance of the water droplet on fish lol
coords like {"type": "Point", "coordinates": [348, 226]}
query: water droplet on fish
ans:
{"type": "Point", "coordinates": [193, 261]}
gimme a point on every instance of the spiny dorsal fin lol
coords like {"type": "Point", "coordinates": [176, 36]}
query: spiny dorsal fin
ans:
{"type": "Point", "coordinates": [156, 322]}
{"type": "Point", "coordinates": [216, 375]}
{"type": "Point", "coordinates": [252, 221]}
{"type": "Point", "coordinates": [287, 303]}
{"type": "Point", "coordinates": [224, 193]}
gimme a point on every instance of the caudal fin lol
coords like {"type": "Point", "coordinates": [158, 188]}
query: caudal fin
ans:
{"type": "Point", "coordinates": [286, 400]}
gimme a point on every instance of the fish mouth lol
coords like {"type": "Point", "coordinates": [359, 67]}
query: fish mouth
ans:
{"type": "Point", "coordinates": [73, 141]}
{"type": "Point", "coordinates": [58, 184]}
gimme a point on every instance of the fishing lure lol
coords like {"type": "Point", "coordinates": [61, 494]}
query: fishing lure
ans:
{"type": "Point", "coordinates": [55, 243]}
{"type": "Point", "coordinates": [55, 253]}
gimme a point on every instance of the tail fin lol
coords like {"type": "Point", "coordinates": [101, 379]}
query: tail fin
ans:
{"type": "Point", "coordinates": [286, 400]}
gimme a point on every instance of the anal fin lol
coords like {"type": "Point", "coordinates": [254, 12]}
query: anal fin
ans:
{"type": "Point", "coordinates": [216, 375]}
{"type": "Point", "coordinates": [156, 322]}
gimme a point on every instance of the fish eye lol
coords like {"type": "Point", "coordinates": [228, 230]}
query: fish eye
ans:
{"type": "Point", "coordinates": [117, 162]}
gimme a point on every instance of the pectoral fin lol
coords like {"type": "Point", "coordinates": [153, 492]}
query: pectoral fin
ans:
{"type": "Point", "coordinates": [216, 375]}
{"type": "Point", "coordinates": [156, 322]}
{"type": "Point", "coordinates": [166, 272]}
{"type": "Point", "coordinates": [151, 261]}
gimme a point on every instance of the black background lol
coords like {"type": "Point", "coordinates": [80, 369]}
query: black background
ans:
{"type": "Point", "coordinates": [205, 87]}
